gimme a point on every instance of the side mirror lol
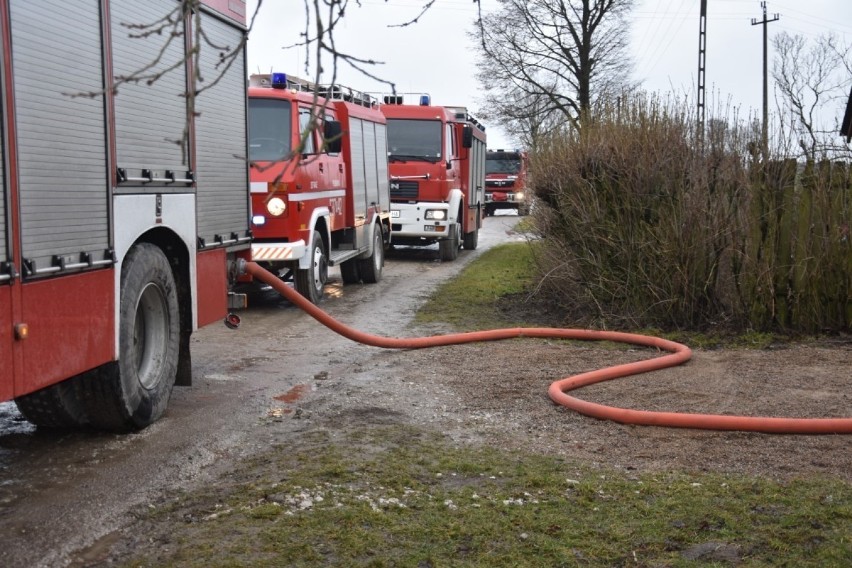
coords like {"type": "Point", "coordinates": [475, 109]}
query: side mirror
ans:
{"type": "Point", "coordinates": [467, 136]}
{"type": "Point", "coordinates": [332, 133]}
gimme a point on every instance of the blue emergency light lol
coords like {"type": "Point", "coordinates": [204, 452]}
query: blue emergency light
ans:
{"type": "Point", "coordinates": [424, 100]}
{"type": "Point", "coordinates": [279, 80]}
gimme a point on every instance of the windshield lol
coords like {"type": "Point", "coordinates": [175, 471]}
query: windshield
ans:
{"type": "Point", "coordinates": [414, 139]}
{"type": "Point", "coordinates": [502, 164]}
{"type": "Point", "coordinates": [269, 130]}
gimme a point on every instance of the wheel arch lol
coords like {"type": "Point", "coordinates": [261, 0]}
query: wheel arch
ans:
{"type": "Point", "coordinates": [319, 222]}
{"type": "Point", "coordinates": [456, 203]}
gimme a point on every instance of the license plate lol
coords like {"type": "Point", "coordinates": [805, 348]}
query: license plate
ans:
{"type": "Point", "coordinates": [395, 213]}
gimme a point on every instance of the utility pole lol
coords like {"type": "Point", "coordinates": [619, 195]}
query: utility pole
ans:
{"type": "Point", "coordinates": [702, 56]}
{"type": "Point", "coordinates": [765, 125]}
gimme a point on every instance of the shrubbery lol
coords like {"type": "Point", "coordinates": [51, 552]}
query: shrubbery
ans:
{"type": "Point", "coordinates": [645, 226]}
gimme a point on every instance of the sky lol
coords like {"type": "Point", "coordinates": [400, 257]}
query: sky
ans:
{"type": "Point", "coordinates": [436, 55]}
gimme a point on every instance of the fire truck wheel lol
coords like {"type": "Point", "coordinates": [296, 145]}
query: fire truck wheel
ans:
{"type": "Point", "coordinates": [349, 271]}
{"type": "Point", "coordinates": [134, 392]}
{"type": "Point", "coordinates": [449, 247]}
{"type": "Point", "coordinates": [371, 268]}
{"type": "Point", "coordinates": [471, 239]}
{"type": "Point", "coordinates": [311, 281]}
{"type": "Point", "coordinates": [54, 407]}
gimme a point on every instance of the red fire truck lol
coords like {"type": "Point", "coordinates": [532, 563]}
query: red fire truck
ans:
{"type": "Point", "coordinates": [437, 168]}
{"type": "Point", "coordinates": [319, 182]}
{"type": "Point", "coordinates": [117, 241]}
{"type": "Point", "coordinates": [506, 181]}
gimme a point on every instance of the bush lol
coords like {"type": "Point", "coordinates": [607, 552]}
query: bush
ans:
{"type": "Point", "coordinates": [645, 226]}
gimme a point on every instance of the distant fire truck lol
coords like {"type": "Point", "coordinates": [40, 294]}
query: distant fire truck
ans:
{"type": "Point", "coordinates": [437, 168]}
{"type": "Point", "coordinates": [506, 182]}
{"type": "Point", "coordinates": [319, 182]}
{"type": "Point", "coordinates": [116, 240]}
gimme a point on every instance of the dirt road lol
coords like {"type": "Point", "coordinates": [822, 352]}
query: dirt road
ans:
{"type": "Point", "coordinates": [63, 492]}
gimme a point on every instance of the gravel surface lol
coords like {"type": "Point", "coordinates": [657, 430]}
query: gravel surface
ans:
{"type": "Point", "coordinates": [496, 393]}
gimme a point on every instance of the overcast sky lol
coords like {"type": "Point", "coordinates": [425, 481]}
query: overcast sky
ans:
{"type": "Point", "coordinates": [436, 56]}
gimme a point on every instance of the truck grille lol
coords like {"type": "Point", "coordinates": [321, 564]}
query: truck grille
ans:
{"type": "Point", "coordinates": [404, 189]}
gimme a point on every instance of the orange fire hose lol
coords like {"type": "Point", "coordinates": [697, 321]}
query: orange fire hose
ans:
{"type": "Point", "coordinates": [678, 354]}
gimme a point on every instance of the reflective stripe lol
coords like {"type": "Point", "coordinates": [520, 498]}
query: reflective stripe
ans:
{"type": "Point", "coordinates": [259, 187]}
{"type": "Point", "coordinates": [317, 195]}
{"type": "Point", "coordinates": [271, 253]}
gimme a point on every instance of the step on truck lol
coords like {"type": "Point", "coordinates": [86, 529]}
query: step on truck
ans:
{"type": "Point", "coordinates": [506, 182]}
{"type": "Point", "coordinates": [123, 208]}
{"type": "Point", "coordinates": [319, 182]}
{"type": "Point", "coordinates": [437, 169]}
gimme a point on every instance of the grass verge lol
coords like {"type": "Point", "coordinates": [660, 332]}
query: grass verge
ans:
{"type": "Point", "coordinates": [469, 301]}
{"type": "Point", "coordinates": [401, 496]}
{"type": "Point", "coordinates": [472, 301]}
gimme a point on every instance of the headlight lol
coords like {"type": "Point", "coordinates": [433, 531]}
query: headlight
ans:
{"type": "Point", "coordinates": [519, 195]}
{"type": "Point", "coordinates": [436, 214]}
{"type": "Point", "coordinates": [276, 206]}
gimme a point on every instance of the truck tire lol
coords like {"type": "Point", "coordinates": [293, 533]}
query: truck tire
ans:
{"type": "Point", "coordinates": [349, 271]}
{"type": "Point", "coordinates": [134, 392]}
{"type": "Point", "coordinates": [310, 281]}
{"type": "Point", "coordinates": [449, 247]}
{"type": "Point", "coordinates": [471, 240]}
{"type": "Point", "coordinates": [53, 407]}
{"type": "Point", "coordinates": [371, 268]}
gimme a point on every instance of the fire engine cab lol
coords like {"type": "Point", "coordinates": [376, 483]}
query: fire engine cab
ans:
{"type": "Point", "coordinates": [319, 182]}
{"type": "Point", "coordinates": [506, 181]}
{"type": "Point", "coordinates": [123, 208]}
{"type": "Point", "coordinates": [437, 168]}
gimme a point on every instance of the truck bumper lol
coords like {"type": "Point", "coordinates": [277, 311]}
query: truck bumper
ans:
{"type": "Point", "coordinates": [408, 220]}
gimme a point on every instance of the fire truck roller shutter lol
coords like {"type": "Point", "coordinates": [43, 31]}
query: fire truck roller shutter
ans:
{"type": "Point", "coordinates": [61, 139]}
{"type": "Point", "coordinates": [4, 192]}
{"type": "Point", "coordinates": [382, 161]}
{"type": "Point", "coordinates": [222, 206]}
{"type": "Point", "coordinates": [146, 140]}
{"type": "Point", "coordinates": [371, 166]}
{"type": "Point", "coordinates": [359, 174]}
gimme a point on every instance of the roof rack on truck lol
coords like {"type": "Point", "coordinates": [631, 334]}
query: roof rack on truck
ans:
{"type": "Point", "coordinates": [331, 92]}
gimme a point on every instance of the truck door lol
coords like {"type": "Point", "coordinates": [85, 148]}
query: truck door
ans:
{"type": "Point", "coordinates": [333, 175]}
{"type": "Point", "coordinates": [311, 177]}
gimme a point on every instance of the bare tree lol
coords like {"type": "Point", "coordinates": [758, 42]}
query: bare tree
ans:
{"type": "Point", "coordinates": [555, 57]}
{"type": "Point", "coordinates": [812, 81]}
{"type": "Point", "coordinates": [527, 119]}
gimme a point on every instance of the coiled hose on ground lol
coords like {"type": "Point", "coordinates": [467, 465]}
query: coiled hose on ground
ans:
{"type": "Point", "coordinates": [678, 354]}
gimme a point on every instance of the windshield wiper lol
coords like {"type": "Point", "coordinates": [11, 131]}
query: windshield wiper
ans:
{"type": "Point", "coordinates": [406, 157]}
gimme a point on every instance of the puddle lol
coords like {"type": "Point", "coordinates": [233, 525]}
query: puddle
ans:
{"type": "Point", "coordinates": [293, 394]}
